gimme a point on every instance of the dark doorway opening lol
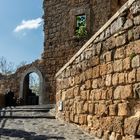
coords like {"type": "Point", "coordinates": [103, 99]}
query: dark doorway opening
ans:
{"type": "Point", "coordinates": [31, 89]}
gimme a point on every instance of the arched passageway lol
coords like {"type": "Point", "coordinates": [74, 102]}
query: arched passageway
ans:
{"type": "Point", "coordinates": [32, 87]}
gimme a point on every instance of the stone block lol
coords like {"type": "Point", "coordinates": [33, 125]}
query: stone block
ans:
{"type": "Point", "coordinates": [80, 107]}
{"type": "Point", "coordinates": [95, 72]}
{"type": "Point", "coordinates": [88, 74]}
{"type": "Point", "coordinates": [133, 48]}
{"type": "Point", "coordinates": [94, 61]}
{"type": "Point", "coordinates": [63, 96]}
{"type": "Point", "coordinates": [132, 76]}
{"type": "Point", "coordinates": [76, 91]}
{"type": "Point", "coordinates": [107, 56]}
{"type": "Point", "coordinates": [135, 8]}
{"type": "Point", "coordinates": [113, 110]}
{"type": "Point", "coordinates": [84, 94]}
{"type": "Point", "coordinates": [95, 83]}
{"type": "Point", "coordinates": [98, 94]}
{"type": "Point", "coordinates": [130, 35]}
{"type": "Point", "coordinates": [137, 20]}
{"type": "Point", "coordinates": [69, 93]}
{"type": "Point", "coordinates": [123, 109]}
{"type": "Point", "coordinates": [130, 125]}
{"type": "Point", "coordinates": [85, 107]}
{"type": "Point", "coordinates": [96, 123]}
{"type": "Point", "coordinates": [126, 92]}
{"type": "Point", "coordinates": [106, 123]}
{"type": "Point", "coordinates": [104, 95]}
{"type": "Point", "coordinates": [109, 68]}
{"type": "Point", "coordinates": [82, 119]}
{"type": "Point", "coordinates": [136, 32]}
{"type": "Point", "coordinates": [121, 40]}
{"type": "Point", "coordinates": [110, 93]}
{"type": "Point", "coordinates": [128, 24]}
{"type": "Point", "coordinates": [71, 117]}
{"type": "Point", "coordinates": [126, 63]}
{"type": "Point", "coordinates": [117, 92]}
{"type": "Point", "coordinates": [103, 69]}
{"type": "Point", "coordinates": [138, 75]}
{"type": "Point", "coordinates": [135, 61]}
{"type": "Point", "coordinates": [120, 53]}
{"type": "Point", "coordinates": [122, 78]}
{"type": "Point", "coordinates": [117, 25]}
{"type": "Point", "coordinates": [76, 119]}
{"type": "Point", "coordinates": [77, 79]}
{"type": "Point", "coordinates": [88, 84]}
{"type": "Point", "coordinates": [108, 81]}
{"type": "Point", "coordinates": [89, 120]}
{"type": "Point", "coordinates": [118, 66]}
{"type": "Point", "coordinates": [91, 108]}
{"type": "Point", "coordinates": [115, 78]}
{"type": "Point", "coordinates": [82, 77]}
{"type": "Point", "coordinates": [102, 110]}
{"type": "Point", "coordinates": [118, 124]}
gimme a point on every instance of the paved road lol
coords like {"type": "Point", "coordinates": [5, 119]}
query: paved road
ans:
{"type": "Point", "coordinates": [39, 129]}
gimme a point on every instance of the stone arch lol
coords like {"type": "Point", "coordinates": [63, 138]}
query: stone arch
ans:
{"type": "Point", "coordinates": [42, 83]}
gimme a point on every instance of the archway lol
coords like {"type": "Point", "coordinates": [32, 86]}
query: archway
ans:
{"type": "Point", "coordinates": [27, 93]}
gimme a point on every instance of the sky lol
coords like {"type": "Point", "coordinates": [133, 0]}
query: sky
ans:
{"type": "Point", "coordinates": [21, 30]}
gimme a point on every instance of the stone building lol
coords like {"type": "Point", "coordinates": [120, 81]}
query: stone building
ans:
{"type": "Point", "coordinates": [60, 43]}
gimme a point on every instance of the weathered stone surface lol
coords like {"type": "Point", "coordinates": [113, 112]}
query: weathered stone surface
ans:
{"type": "Point", "coordinates": [130, 125]}
{"type": "Point", "coordinates": [132, 76]}
{"type": "Point", "coordinates": [118, 66]}
{"type": "Point", "coordinates": [89, 120]}
{"type": "Point", "coordinates": [128, 24]}
{"type": "Point", "coordinates": [113, 110]}
{"type": "Point", "coordinates": [138, 75]}
{"type": "Point", "coordinates": [95, 72]}
{"type": "Point", "coordinates": [120, 53]}
{"type": "Point", "coordinates": [115, 78]}
{"type": "Point", "coordinates": [108, 80]}
{"type": "Point", "coordinates": [123, 109]}
{"type": "Point", "coordinates": [137, 32]}
{"type": "Point", "coordinates": [91, 108]}
{"type": "Point", "coordinates": [83, 119]}
{"type": "Point", "coordinates": [136, 61]}
{"type": "Point", "coordinates": [126, 63]}
{"type": "Point", "coordinates": [121, 40]}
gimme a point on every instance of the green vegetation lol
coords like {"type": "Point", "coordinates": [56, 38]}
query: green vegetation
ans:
{"type": "Point", "coordinates": [132, 55]}
{"type": "Point", "coordinates": [81, 26]}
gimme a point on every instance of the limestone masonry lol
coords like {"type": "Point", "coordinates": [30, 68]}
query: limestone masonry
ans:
{"type": "Point", "coordinates": [99, 88]}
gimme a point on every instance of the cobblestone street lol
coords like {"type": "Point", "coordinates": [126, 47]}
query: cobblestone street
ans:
{"type": "Point", "coordinates": [38, 128]}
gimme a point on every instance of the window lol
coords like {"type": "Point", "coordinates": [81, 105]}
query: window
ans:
{"type": "Point", "coordinates": [81, 26]}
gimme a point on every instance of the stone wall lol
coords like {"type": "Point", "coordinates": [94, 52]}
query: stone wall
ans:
{"type": "Point", "coordinates": [99, 88]}
{"type": "Point", "coordinates": [60, 42]}
{"type": "Point", "coordinates": [15, 82]}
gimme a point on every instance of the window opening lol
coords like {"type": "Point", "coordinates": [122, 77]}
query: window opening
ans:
{"type": "Point", "coordinates": [81, 26]}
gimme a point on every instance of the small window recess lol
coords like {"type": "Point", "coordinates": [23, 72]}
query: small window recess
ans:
{"type": "Point", "coordinates": [81, 30]}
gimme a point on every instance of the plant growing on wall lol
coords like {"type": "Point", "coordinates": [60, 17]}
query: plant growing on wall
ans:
{"type": "Point", "coordinates": [81, 26]}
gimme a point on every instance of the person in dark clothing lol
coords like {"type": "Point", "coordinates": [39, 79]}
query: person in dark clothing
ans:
{"type": "Point", "coordinates": [10, 99]}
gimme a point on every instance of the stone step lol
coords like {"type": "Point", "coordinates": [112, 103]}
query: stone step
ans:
{"type": "Point", "coordinates": [27, 112]}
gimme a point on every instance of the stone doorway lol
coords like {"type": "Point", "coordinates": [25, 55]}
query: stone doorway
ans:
{"type": "Point", "coordinates": [27, 93]}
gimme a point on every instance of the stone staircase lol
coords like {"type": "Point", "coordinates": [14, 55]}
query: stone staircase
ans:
{"type": "Point", "coordinates": [36, 111]}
